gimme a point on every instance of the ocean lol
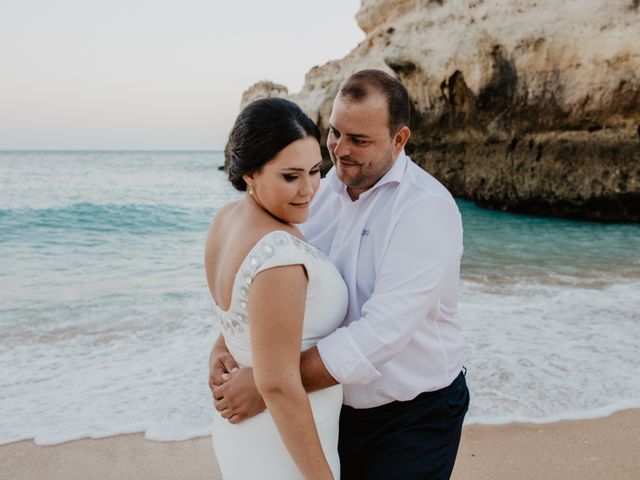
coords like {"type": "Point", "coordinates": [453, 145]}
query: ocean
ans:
{"type": "Point", "coordinates": [106, 322]}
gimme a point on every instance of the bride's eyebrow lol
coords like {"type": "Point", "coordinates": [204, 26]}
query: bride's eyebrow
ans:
{"type": "Point", "coordinates": [297, 169]}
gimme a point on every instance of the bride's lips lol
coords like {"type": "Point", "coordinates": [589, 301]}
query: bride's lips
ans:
{"type": "Point", "coordinates": [300, 205]}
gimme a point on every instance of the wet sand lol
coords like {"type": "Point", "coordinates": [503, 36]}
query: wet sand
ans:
{"type": "Point", "coordinates": [605, 448]}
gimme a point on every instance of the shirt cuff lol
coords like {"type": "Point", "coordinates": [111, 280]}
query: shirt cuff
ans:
{"type": "Point", "coordinates": [344, 360]}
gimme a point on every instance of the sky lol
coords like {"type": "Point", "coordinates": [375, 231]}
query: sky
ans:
{"type": "Point", "coordinates": [161, 74]}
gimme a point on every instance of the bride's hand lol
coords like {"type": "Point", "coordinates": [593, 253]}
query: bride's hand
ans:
{"type": "Point", "coordinates": [238, 398]}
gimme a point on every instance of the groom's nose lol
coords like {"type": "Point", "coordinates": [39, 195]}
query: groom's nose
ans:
{"type": "Point", "coordinates": [342, 148]}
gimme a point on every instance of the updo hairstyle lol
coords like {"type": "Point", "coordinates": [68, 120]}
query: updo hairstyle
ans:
{"type": "Point", "coordinates": [263, 128]}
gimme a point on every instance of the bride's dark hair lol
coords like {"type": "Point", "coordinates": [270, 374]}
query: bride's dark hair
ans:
{"type": "Point", "coordinates": [263, 128]}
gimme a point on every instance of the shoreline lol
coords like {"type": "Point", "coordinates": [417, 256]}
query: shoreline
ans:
{"type": "Point", "coordinates": [570, 449]}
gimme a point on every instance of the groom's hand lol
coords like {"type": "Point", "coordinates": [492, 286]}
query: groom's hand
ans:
{"type": "Point", "coordinates": [238, 398]}
{"type": "Point", "coordinates": [220, 364]}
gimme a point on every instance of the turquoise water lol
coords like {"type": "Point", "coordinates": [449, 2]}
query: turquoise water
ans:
{"type": "Point", "coordinates": [105, 311]}
{"type": "Point", "coordinates": [503, 246]}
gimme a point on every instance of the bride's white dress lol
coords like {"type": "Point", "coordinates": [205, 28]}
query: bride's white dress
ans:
{"type": "Point", "coordinates": [253, 448]}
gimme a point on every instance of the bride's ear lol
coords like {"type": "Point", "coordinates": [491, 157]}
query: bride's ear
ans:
{"type": "Point", "coordinates": [248, 179]}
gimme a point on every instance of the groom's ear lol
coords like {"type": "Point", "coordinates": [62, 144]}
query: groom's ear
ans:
{"type": "Point", "coordinates": [400, 139]}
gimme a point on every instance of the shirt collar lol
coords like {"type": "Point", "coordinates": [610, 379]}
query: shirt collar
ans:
{"type": "Point", "coordinates": [334, 182]}
{"type": "Point", "coordinates": [394, 175]}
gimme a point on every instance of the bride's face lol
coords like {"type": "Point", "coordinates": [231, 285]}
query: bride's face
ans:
{"type": "Point", "coordinates": [286, 184]}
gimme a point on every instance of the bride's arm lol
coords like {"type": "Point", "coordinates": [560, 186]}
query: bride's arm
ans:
{"type": "Point", "coordinates": [276, 313]}
{"type": "Point", "coordinates": [238, 399]}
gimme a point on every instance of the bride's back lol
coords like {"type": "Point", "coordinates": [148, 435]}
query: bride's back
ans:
{"type": "Point", "coordinates": [236, 228]}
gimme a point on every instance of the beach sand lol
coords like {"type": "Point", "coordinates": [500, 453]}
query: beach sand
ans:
{"type": "Point", "coordinates": [605, 448]}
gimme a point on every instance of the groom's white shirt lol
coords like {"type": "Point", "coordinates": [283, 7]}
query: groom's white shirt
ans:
{"type": "Point", "coordinates": [398, 247]}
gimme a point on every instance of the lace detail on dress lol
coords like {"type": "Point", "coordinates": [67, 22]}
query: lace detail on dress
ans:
{"type": "Point", "coordinates": [235, 320]}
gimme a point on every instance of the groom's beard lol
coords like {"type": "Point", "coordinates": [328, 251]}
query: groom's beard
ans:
{"type": "Point", "coordinates": [362, 175]}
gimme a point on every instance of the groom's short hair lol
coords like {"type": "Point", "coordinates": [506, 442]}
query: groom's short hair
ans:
{"type": "Point", "coordinates": [358, 86]}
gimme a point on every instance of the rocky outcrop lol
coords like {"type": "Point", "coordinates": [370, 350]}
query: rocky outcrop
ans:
{"type": "Point", "coordinates": [263, 89]}
{"type": "Point", "coordinates": [527, 106]}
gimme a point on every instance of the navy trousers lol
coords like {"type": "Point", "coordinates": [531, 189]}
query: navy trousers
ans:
{"type": "Point", "coordinates": [412, 440]}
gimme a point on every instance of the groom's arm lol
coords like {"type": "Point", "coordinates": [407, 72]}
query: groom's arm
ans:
{"type": "Point", "coordinates": [234, 390]}
{"type": "Point", "coordinates": [424, 248]}
{"type": "Point", "coordinates": [315, 375]}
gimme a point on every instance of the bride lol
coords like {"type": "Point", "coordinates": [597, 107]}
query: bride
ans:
{"type": "Point", "coordinates": [274, 295]}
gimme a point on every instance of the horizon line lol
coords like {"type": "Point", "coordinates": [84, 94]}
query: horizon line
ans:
{"type": "Point", "coordinates": [80, 150]}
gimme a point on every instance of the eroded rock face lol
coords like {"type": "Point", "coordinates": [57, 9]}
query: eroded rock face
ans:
{"type": "Point", "coordinates": [528, 106]}
{"type": "Point", "coordinates": [264, 89]}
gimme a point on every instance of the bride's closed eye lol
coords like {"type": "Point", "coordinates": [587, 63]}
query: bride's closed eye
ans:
{"type": "Point", "coordinates": [293, 178]}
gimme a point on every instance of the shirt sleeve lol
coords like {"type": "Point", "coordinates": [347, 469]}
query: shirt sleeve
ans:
{"type": "Point", "coordinates": [424, 247]}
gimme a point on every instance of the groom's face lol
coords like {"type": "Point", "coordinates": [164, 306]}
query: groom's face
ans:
{"type": "Point", "coordinates": [359, 141]}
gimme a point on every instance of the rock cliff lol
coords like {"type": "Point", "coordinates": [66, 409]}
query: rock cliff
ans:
{"type": "Point", "coordinates": [527, 106]}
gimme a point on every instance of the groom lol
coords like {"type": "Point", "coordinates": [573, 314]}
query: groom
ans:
{"type": "Point", "coordinates": [395, 234]}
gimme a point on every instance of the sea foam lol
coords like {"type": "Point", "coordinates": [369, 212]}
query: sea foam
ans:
{"type": "Point", "coordinates": [106, 321]}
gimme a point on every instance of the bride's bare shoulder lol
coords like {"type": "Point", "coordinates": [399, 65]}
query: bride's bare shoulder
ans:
{"type": "Point", "coordinates": [291, 229]}
{"type": "Point", "coordinates": [227, 209]}
{"type": "Point", "coordinates": [232, 220]}
{"type": "Point", "coordinates": [219, 224]}
{"type": "Point", "coordinates": [223, 213]}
